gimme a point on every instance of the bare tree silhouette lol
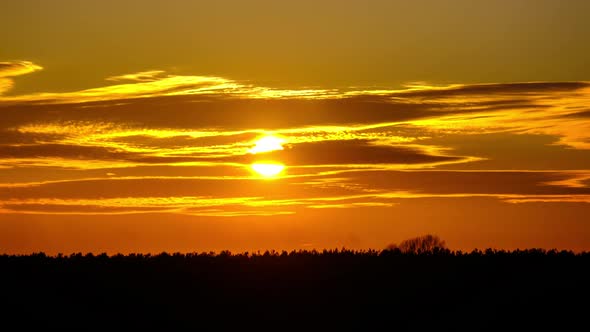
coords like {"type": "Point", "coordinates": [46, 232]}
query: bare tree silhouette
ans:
{"type": "Point", "coordinates": [420, 245]}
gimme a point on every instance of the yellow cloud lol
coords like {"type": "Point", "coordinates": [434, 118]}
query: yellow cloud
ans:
{"type": "Point", "coordinates": [12, 69]}
{"type": "Point", "coordinates": [156, 83]}
{"type": "Point", "coordinates": [342, 148]}
{"type": "Point", "coordinates": [142, 76]}
{"type": "Point", "coordinates": [17, 68]}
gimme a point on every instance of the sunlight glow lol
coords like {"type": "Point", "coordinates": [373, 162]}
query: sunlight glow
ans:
{"type": "Point", "coordinates": [267, 144]}
{"type": "Point", "coordinates": [267, 170]}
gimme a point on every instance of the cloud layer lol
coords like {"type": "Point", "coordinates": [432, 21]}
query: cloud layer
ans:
{"type": "Point", "coordinates": [10, 69]}
{"type": "Point", "coordinates": [160, 144]}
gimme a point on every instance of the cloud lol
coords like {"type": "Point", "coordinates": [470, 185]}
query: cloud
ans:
{"type": "Point", "coordinates": [13, 137]}
{"type": "Point", "coordinates": [579, 114]}
{"type": "Point", "coordinates": [421, 125]}
{"type": "Point", "coordinates": [138, 187]}
{"type": "Point", "coordinates": [222, 112]}
{"type": "Point", "coordinates": [355, 151]}
{"type": "Point", "coordinates": [156, 100]}
{"type": "Point", "coordinates": [156, 83]}
{"type": "Point", "coordinates": [339, 189]}
{"type": "Point", "coordinates": [61, 151]}
{"type": "Point", "coordinates": [185, 149]}
{"type": "Point", "coordinates": [512, 150]}
{"type": "Point", "coordinates": [37, 174]}
{"type": "Point", "coordinates": [517, 89]}
{"type": "Point", "coordinates": [155, 142]}
{"type": "Point", "coordinates": [181, 140]}
{"type": "Point", "coordinates": [469, 182]}
{"type": "Point", "coordinates": [5, 85]}
{"type": "Point", "coordinates": [143, 76]}
{"type": "Point", "coordinates": [17, 68]}
{"type": "Point", "coordinates": [12, 69]}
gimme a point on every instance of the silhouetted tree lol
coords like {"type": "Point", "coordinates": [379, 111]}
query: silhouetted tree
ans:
{"type": "Point", "coordinates": [420, 245]}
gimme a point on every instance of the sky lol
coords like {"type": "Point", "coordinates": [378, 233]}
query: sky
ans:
{"type": "Point", "coordinates": [149, 126]}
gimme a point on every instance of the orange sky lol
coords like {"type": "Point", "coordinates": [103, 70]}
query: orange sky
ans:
{"type": "Point", "coordinates": [194, 156]}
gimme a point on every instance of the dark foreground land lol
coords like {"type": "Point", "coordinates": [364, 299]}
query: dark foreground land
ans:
{"type": "Point", "coordinates": [305, 291]}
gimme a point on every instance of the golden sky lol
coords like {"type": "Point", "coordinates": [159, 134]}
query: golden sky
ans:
{"type": "Point", "coordinates": [143, 126]}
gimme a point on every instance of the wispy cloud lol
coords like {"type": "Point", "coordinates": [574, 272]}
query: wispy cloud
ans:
{"type": "Point", "coordinates": [14, 68]}
{"type": "Point", "coordinates": [351, 188]}
{"type": "Point", "coordinates": [17, 68]}
{"type": "Point", "coordinates": [143, 76]}
{"type": "Point", "coordinates": [160, 143]}
{"type": "Point", "coordinates": [157, 83]}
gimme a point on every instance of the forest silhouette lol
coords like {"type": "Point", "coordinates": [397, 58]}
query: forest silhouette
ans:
{"type": "Point", "coordinates": [416, 285]}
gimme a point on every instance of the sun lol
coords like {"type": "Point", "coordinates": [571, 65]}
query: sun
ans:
{"type": "Point", "coordinates": [267, 143]}
{"type": "Point", "coordinates": [268, 170]}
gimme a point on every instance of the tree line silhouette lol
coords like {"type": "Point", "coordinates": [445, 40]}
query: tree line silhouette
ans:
{"type": "Point", "coordinates": [416, 285]}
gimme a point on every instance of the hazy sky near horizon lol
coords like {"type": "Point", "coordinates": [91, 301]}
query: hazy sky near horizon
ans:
{"type": "Point", "coordinates": [135, 126]}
